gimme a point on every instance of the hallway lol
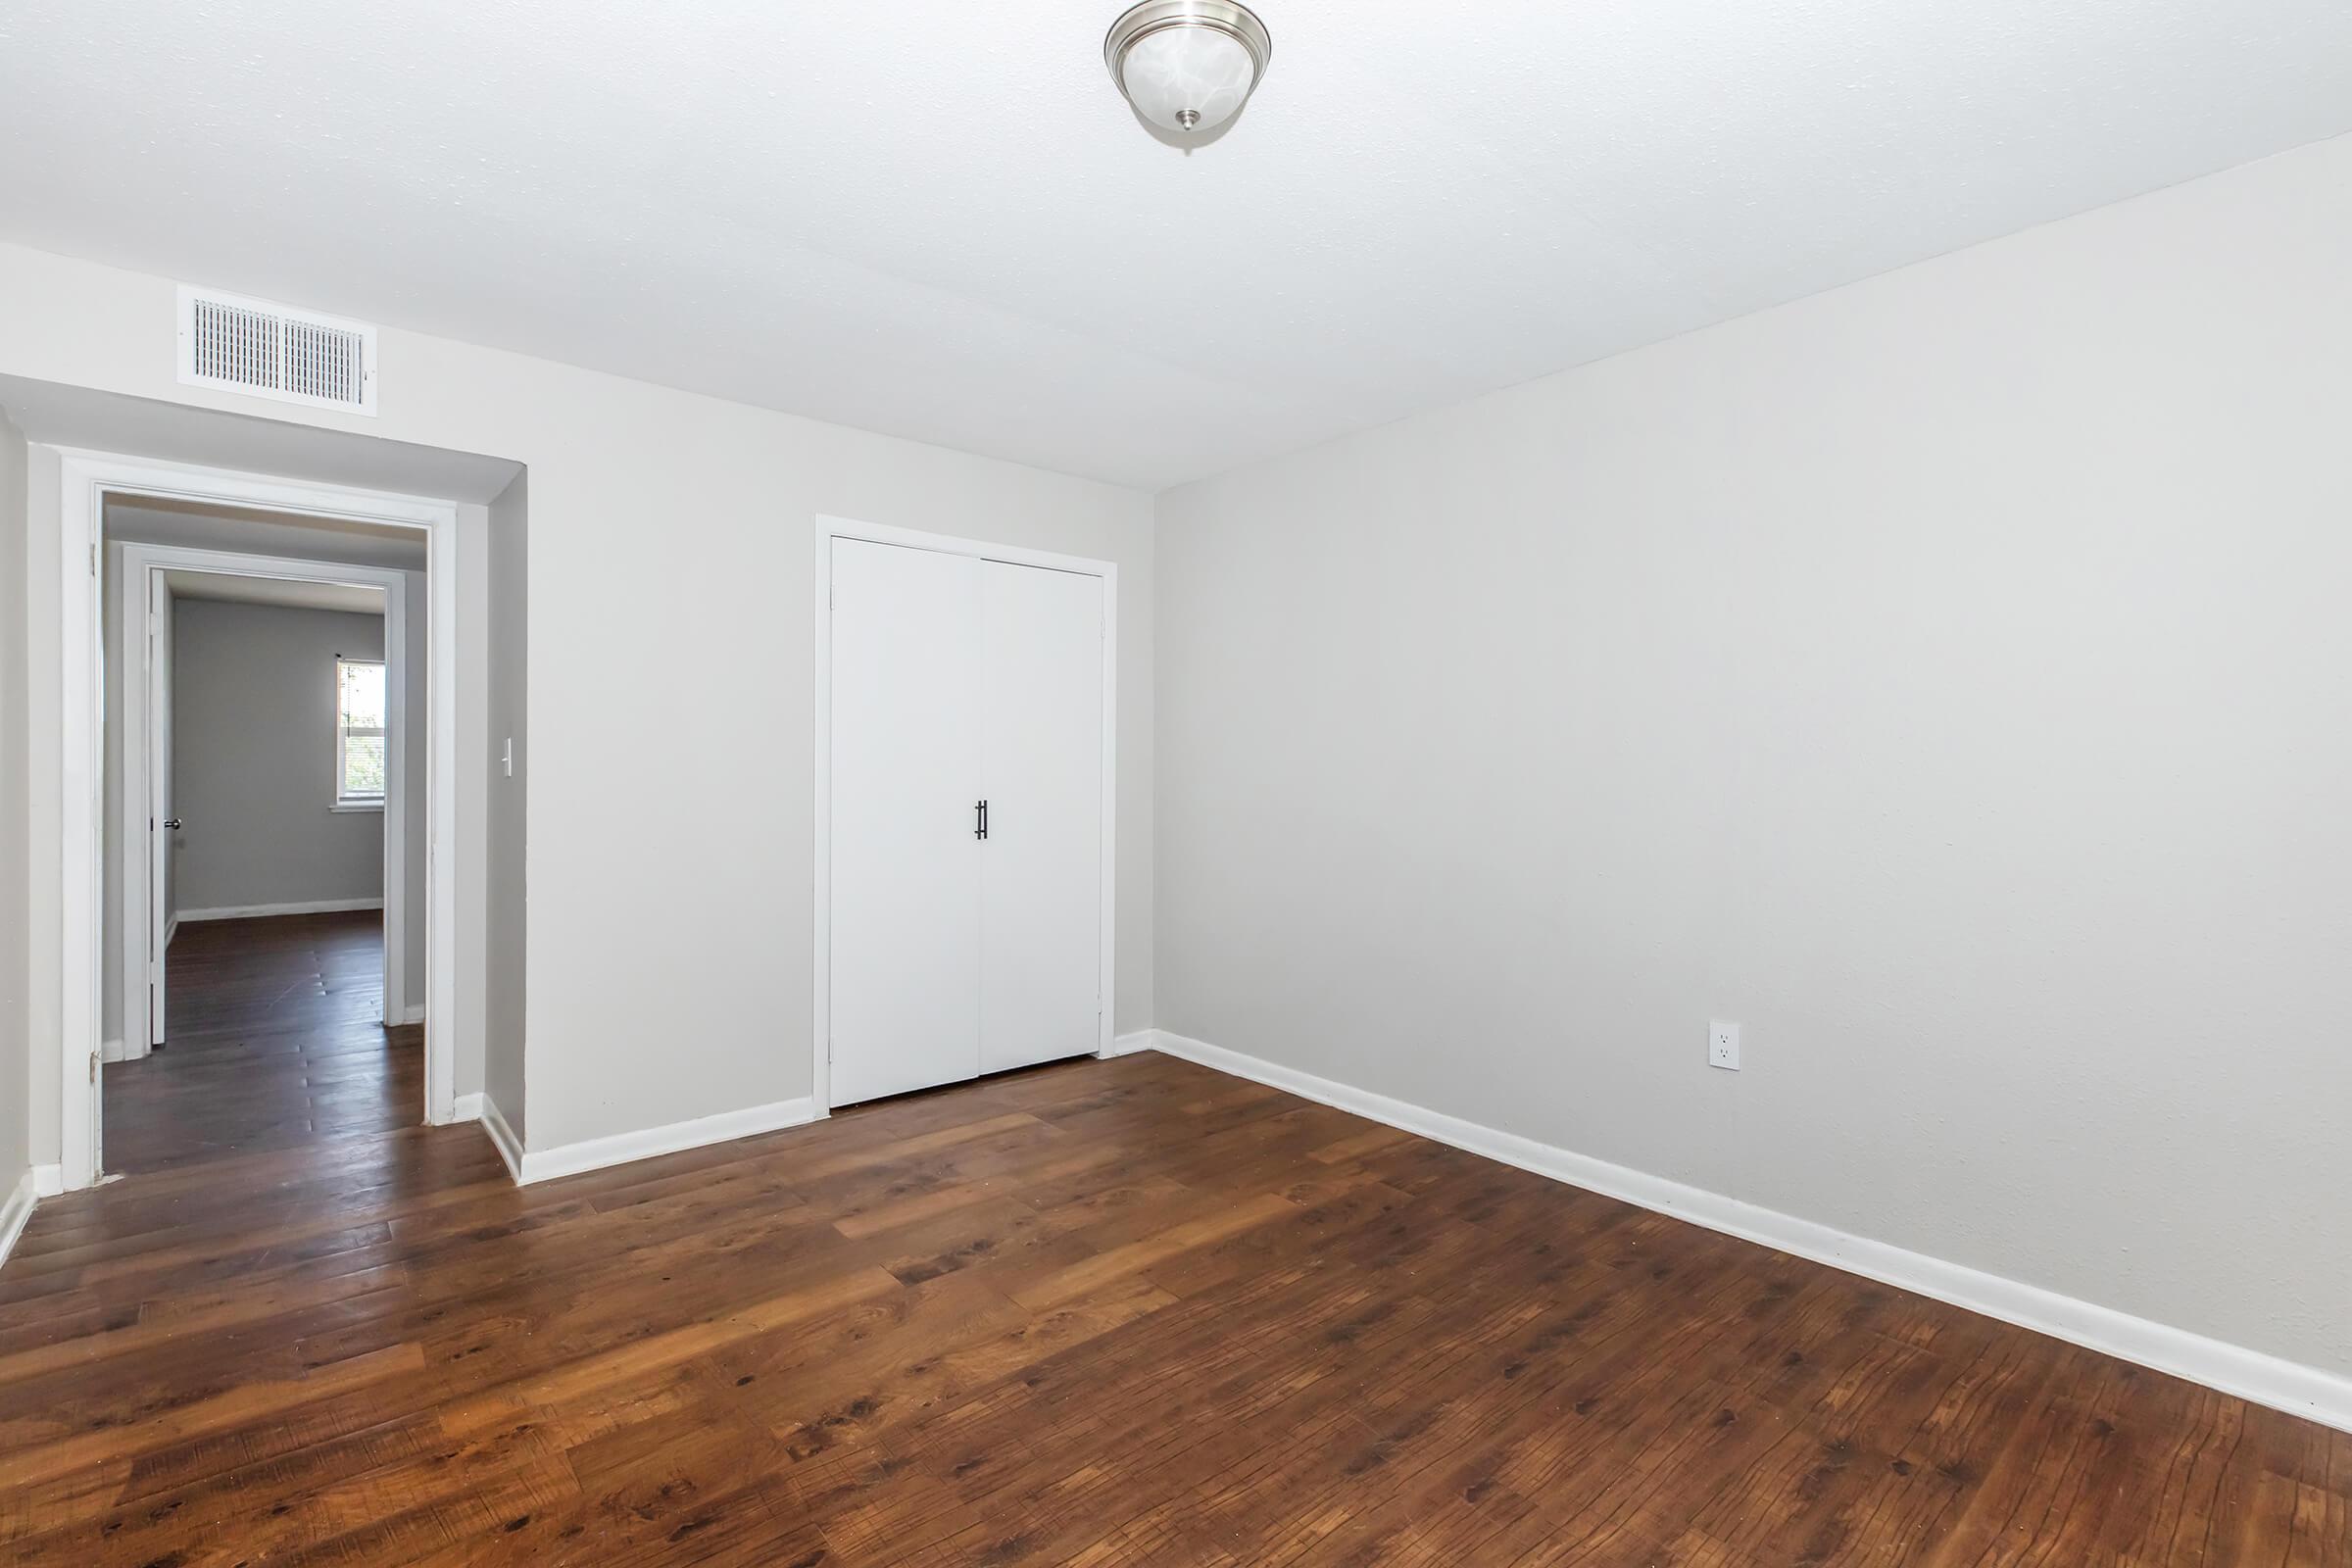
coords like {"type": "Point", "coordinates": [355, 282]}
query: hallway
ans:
{"type": "Point", "coordinates": [274, 1038]}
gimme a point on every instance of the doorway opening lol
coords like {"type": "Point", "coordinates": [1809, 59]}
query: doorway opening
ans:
{"type": "Point", "coordinates": [259, 840]}
{"type": "Point", "coordinates": [346, 991]}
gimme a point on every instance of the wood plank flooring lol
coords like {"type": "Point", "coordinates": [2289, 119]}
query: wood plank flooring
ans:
{"type": "Point", "coordinates": [274, 1037]}
{"type": "Point", "coordinates": [1104, 1313]}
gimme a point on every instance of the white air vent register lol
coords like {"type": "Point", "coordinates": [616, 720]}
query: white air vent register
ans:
{"type": "Point", "coordinates": [275, 350]}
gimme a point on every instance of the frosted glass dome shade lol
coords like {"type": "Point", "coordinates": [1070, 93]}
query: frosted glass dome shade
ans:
{"type": "Point", "coordinates": [1188, 67]}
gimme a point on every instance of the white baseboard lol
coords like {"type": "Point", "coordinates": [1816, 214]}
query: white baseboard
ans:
{"type": "Point", "coordinates": [171, 930]}
{"type": "Point", "coordinates": [415, 1014]}
{"type": "Point", "coordinates": [48, 1180]}
{"type": "Point", "coordinates": [113, 1051]}
{"type": "Point", "coordinates": [484, 1109]}
{"type": "Point", "coordinates": [249, 911]}
{"type": "Point", "coordinates": [2251, 1375]}
{"type": "Point", "coordinates": [595, 1154]}
{"type": "Point", "coordinates": [1129, 1044]}
{"type": "Point", "coordinates": [14, 1210]}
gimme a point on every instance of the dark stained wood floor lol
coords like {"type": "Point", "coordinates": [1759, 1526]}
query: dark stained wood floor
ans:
{"type": "Point", "coordinates": [1105, 1313]}
{"type": "Point", "coordinates": [273, 1038]}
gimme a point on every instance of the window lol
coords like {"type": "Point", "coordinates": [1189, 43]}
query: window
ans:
{"type": "Point", "coordinates": [359, 733]}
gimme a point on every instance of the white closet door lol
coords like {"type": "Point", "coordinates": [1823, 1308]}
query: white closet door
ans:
{"type": "Point", "coordinates": [1040, 737]}
{"type": "Point", "coordinates": [906, 864]}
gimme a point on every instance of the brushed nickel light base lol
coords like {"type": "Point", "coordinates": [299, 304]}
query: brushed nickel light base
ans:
{"type": "Point", "coordinates": [1235, 21]}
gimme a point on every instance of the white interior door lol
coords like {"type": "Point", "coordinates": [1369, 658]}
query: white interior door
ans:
{"type": "Point", "coordinates": [1040, 739]}
{"type": "Point", "coordinates": [904, 980]}
{"type": "Point", "coordinates": [160, 820]}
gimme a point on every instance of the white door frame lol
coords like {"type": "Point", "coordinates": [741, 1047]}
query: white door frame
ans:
{"type": "Point", "coordinates": [87, 478]}
{"type": "Point", "coordinates": [139, 563]}
{"type": "Point", "coordinates": [829, 529]}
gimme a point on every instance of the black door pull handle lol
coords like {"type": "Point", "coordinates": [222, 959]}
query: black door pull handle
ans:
{"type": "Point", "coordinates": [980, 819]}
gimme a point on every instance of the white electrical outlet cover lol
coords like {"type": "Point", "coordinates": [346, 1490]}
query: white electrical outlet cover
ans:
{"type": "Point", "coordinates": [1722, 1045]}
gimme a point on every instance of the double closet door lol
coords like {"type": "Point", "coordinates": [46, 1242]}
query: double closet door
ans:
{"type": "Point", "coordinates": [966, 838]}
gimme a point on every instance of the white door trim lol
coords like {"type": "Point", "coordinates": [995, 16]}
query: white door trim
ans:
{"type": "Point", "coordinates": [829, 529]}
{"type": "Point", "coordinates": [86, 479]}
{"type": "Point", "coordinates": [137, 563]}
{"type": "Point", "coordinates": [155, 736]}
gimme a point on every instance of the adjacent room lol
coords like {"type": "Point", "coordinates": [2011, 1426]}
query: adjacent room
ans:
{"type": "Point", "coordinates": [253, 998]}
{"type": "Point", "coordinates": [1202, 783]}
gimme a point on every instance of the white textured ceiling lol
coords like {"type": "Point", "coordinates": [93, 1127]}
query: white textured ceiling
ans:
{"type": "Point", "coordinates": [940, 220]}
{"type": "Point", "coordinates": [284, 593]}
{"type": "Point", "coordinates": [250, 531]}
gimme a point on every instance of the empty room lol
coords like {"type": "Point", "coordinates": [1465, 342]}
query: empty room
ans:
{"type": "Point", "coordinates": [1311, 782]}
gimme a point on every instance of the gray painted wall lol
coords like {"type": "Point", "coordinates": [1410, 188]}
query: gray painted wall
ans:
{"type": "Point", "coordinates": [470, 810]}
{"type": "Point", "coordinates": [507, 817]}
{"type": "Point", "coordinates": [45, 795]}
{"type": "Point", "coordinates": [16, 923]}
{"type": "Point", "coordinates": [1946, 677]}
{"type": "Point", "coordinates": [253, 758]}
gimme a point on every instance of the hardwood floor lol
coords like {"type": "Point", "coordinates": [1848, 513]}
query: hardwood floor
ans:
{"type": "Point", "coordinates": [273, 1038]}
{"type": "Point", "coordinates": [1123, 1312]}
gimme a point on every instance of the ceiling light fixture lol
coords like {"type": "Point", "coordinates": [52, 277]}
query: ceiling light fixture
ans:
{"type": "Point", "coordinates": [1187, 65]}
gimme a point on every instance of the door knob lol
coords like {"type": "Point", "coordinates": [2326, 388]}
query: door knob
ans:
{"type": "Point", "coordinates": [172, 824]}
